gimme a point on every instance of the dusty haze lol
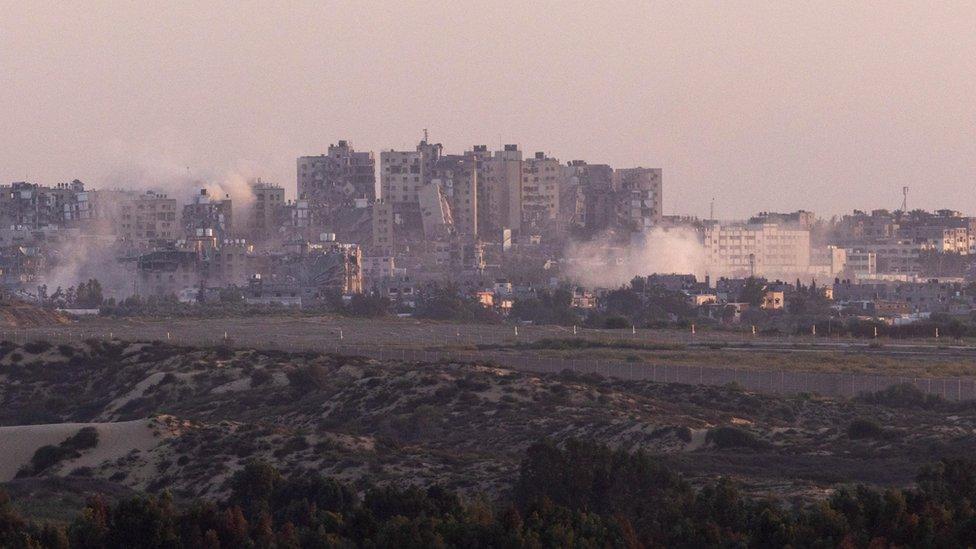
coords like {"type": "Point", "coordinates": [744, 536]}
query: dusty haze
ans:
{"type": "Point", "coordinates": [761, 105]}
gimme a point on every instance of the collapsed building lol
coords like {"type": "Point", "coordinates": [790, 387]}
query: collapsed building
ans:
{"type": "Point", "coordinates": [303, 273]}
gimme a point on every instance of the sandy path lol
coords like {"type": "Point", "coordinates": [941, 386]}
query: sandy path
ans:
{"type": "Point", "coordinates": [18, 443]}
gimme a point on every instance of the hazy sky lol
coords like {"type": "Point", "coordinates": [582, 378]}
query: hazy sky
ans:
{"type": "Point", "coordinates": [765, 106]}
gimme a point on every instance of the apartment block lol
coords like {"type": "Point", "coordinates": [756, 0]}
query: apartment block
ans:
{"type": "Point", "coordinates": [541, 176]}
{"type": "Point", "coordinates": [336, 180]}
{"type": "Point", "coordinates": [206, 211]}
{"type": "Point", "coordinates": [383, 226]}
{"type": "Point", "coordinates": [640, 202]}
{"type": "Point", "coordinates": [767, 250]}
{"type": "Point", "coordinates": [501, 191]}
{"type": "Point", "coordinates": [267, 211]}
{"type": "Point", "coordinates": [146, 220]}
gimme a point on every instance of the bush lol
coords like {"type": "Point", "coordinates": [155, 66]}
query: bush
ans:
{"type": "Point", "coordinates": [733, 437]}
{"type": "Point", "coordinates": [309, 378]}
{"type": "Point", "coordinates": [261, 377]}
{"type": "Point", "coordinates": [37, 347]}
{"type": "Point", "coordinates": [84, 439]}
{"type": "Point", "coordinates": [224, 352]}
{"type": "Point", "coordinates": [48, 456]}
{"type": "Point", "coordinates": [903, 395]}
{"type": "Point", "coordinates": [864, 428]}
{"type": "Point", "coordinates": [616, 323]}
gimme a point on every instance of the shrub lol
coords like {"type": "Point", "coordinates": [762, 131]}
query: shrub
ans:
{"type": "Point", "coordinates": [260, 377]}
{"type": "Point", "coordinates": [864, 428]}
{"type": "Point", "coordinates": [903, 395]}
{"type": "Point", "coordinates": [86, 437]}
{"type": "Point", "coordinates": [224, 352]}
{"type": "Point", "coordinates": [616, 323]}
{"type": "Point", "coordinates": [292, 445]}
{"type": "Point", "coordinates": [47, 456]}
{"type": "Point", "coordinates": [37, 347]}
{"type": "Point", "coordinates": [733, 437]}
{"type": "Point", "coordinates": [309, 378]}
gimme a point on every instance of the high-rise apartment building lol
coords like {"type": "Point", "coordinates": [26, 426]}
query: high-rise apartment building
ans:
{"type": "Point", "coordinates": [541, 177]}
{"type": "Point", "coordinates": [206, 211]}
{"type": "Point", "coordinates": [335, 180]}
{"type": "Point", "coordinates": [267, 211]}
{"type": "Point", "coordinates": [457, 177]}
{"type": "Point", "coordinates": [402, 174]}
{"type": "Point", "coordinates": [640, 203]}
{"type": "Point", "coordinates": [501, 191]}
{"type": "Point", "coordinates": [383, 226]}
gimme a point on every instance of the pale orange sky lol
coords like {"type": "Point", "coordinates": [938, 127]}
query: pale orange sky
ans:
{"type": "Point", "coordinates": [765, 106]}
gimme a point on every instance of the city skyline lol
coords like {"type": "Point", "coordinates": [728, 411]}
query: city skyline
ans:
{"type": "Point", "coordinates": [827, 108]}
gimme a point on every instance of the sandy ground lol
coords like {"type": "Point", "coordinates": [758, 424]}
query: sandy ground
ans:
{"type": "Point", "coordinates": [18, 444]}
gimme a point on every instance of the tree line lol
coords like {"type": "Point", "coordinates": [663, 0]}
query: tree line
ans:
{"type": "Point", "coordinates": [578, 494]}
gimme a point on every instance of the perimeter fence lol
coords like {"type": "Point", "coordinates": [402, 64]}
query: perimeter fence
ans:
{"type": "Point", "coordinates": [783, 381]}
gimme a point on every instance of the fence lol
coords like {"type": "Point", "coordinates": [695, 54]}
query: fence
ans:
{"type": "Point", "coordinates": [768, 381]}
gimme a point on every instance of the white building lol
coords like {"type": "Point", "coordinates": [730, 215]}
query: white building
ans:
{"type": "Point", "coordinates": [768, 250]}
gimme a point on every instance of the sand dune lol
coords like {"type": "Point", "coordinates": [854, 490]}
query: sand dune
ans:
{"type": "Point", "coordinates": [18, 443]}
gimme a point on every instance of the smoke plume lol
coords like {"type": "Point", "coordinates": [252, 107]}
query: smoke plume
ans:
{"type": "Point", "coordinates": [602, 263]}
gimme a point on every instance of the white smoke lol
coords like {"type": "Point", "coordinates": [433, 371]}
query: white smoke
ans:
{"type": "Point", "coordinates": [78, 260]}
{"type": "Point", "coordinates": [183, 183]}
{"type": "Point", "coordinates": [89, 256]}
{"type": "Point", "coordinates": [602, 263]}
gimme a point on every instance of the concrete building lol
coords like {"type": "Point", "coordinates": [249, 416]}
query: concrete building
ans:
{"type": "Point", "coordinates": [206, 211]}
{"type": "Point", "coordinates": [541, 176]}
{"type": "Point", "coordinates": [33, 206]}
{"type": "Point", "coordinates": [435, 212]}
{"type": "Point", "coordinates": [572, 200]}
{"type": "Point", "coordinates": [860, 227]}
{"type": "Point", "coordinates": [767, 250]}
{"type": "Point", "coordinates": [939, 238]}
{"type": "Point", "coordinates": [900, 257]}
{"type": "Point", "coordinates": [458, 178]}
{"type": "Point", "coordinates": [383, 227]}
{"type": "Point", "coordinates": [323, 268]}
{"type": "Point", "coordinates": [167, 272]}
{"type": "Point", "coordinates": [146, 220]}
{"type": "Point", "coordinates": [501, 191]}
{"type": "Point", "coordinates": [300, 214]}
{"type": "Point", "coordinates": [267, 212]}
{"type": "Point", "coordinates": [402, 175]}
{"type": "Point", "coordinates": [595, 183]}
{"type": "Point", "coordinates": [378, 267]}
{"type": "Point", "coordinates": [800, 218]}
{"type": "Point", "coordinates": [336, 180]}
{"type": "Point", "coordinates": [861, 263]}
{"type": "Point", "coordinates": [640, 202]}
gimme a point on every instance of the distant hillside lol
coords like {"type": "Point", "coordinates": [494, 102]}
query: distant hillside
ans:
{"type": "Point", "coordinates": [195, 415]}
